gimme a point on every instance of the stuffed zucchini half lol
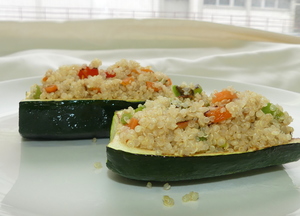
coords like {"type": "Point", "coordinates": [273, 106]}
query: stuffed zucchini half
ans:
{"type": "Point", "coordinates": [79, 101]}
{"type": "Point", "coordinates": [198, 136]}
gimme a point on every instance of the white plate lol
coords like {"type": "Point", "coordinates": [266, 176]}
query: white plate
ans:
{"type": "Point", "coordinates": [59, 177]}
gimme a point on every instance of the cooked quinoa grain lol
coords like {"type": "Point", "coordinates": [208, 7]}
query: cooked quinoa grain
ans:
{"type": "Point", "coordinates": [125, 80]}
{"type": "Point", "coordinates": [98, 165]}
{"type": "Point", "coordinates": [149, 185]}
{"type": "Point", "coordinates": [167, 186]}
{"type": "Point", "coordinates": [192, 196]}
{"type": "Point", "coordinates": [197, 123]}
{"type": "Point", "coordinates": [168, 201]}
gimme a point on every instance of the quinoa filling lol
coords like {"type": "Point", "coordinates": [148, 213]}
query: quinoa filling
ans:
{"type": "Point", "coordinates": [195, 122]}
{"type": "Point", "coordinates": [124, 80]}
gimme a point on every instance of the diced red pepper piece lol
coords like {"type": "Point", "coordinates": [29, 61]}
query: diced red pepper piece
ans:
{"type": "Point", "coordinates": [110, 75]}
{"type": "Point", "coordinates": [85, 72]}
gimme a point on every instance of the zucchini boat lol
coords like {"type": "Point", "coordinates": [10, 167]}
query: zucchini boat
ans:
{"type": "Point", "coordinates": [68, 119]}
{"type": "Point", "coordinates": [190, 137]}
{"type": "Point", "coordinates": [79, 101]}
{"type": "Point", "coordinates": [148, 166]}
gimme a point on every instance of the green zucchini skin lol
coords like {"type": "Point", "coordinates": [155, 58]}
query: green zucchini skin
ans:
{"type": "Point", "coordinates": [172, 168]}
{"type": "Point", "coordinates": [68, 119]}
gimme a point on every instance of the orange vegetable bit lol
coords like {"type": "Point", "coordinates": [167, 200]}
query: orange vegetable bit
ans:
{"type": "Point", "coordinates": [110, 75]}
{"type": "Point", "coordinates": [223, 95]}
{"type": "Point", "coordinates": [44, 79]}
{"type": "Point", "coordinates": [219, 113]}
{"type": "Point", "coordinates": [182, 124]}
{"type": "Point", "coordinates": [51, 88]}
{"type": "Point", "coordinates": [147, 70]}
{"type": "Point", "coordinates": [127, 81]}
{"type": "Point", "coordinates": [151, 85]}
{"type": "Point", "coordinates": [135, 71]}
{"type": "Point", "coordinates": [98, 90]}
{"type": "Point", "coordinates": [133, 122]}
{"type": "Point", "coordinates": [168, 82]}
{"type": "Point", "coordinates": [85, 72]}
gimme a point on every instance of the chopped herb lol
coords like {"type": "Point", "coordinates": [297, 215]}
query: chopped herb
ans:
{"type": "Point", "coordinates": [201, 138]}
{"type": "Point", "coordinates": [38, 92]}
{"type": "Point", "coordinates": [198, 89]}
{"type": "Point", "coordinates": [140, 108]}
{"type": "Point", "coordinates": [273, 110]}
{"type": "Point", "coordinates": [125, 117]}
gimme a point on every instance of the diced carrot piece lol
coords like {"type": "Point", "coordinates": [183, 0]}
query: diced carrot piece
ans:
{"type": "Point", "coordinates": [182, 124]}
{"type": "Point", "coordinates": [146, 70]}
{"type": "Point", "coordinates": [133, 122]}
{"type": "Point", "coordinates": [44, 79]}
{"type": "Point", "coordinates": [223, 95]}
{"type": "Point", "coordinates": [127, 81]}
{"type": "Point", "coordinates": [220, 114]}
{"type": "Point", "coordinates": [151, 85]}
{"type": "Point", "coordinates": [135, 71]}
{"type": "Point", "coordinates": [85, 72]}
{"type": "Point", "coordinates": [168, 82]}
{"type": "Point", "coordinates": [51, 88]}
{"type": "Point", "coordinates": [98, 90]}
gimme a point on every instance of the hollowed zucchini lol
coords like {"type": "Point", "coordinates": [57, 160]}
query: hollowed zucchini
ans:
{"type": "Point", "coordinates": [145, 165]}
{"type": "Point", "coordinates": [68, 119]}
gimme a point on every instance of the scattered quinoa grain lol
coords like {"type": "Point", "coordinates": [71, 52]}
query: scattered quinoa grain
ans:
{"type": "Point", "coordinates": [167, 186]}
{"type": "Point", "coordinates": [98, 165]}
{"type": "Point", "coordinates": [192, 196]}
{"type": "Point", "coordinates": [149, 185]}
{"type": "Point", "coordinates": [168, 201]}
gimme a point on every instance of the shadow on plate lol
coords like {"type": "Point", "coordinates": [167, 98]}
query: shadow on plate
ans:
{"type": "Point", "coordinates": [123, 180]}
{"type": "Point", "coordinates": [65, 143]}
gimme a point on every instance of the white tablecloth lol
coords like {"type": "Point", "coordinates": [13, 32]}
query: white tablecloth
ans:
{"type": "Point", "coordinates": [170, 46]}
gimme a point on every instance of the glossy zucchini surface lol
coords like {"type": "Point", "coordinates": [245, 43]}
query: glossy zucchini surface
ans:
{"type": "Point", "coordinates": [68, 119]}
